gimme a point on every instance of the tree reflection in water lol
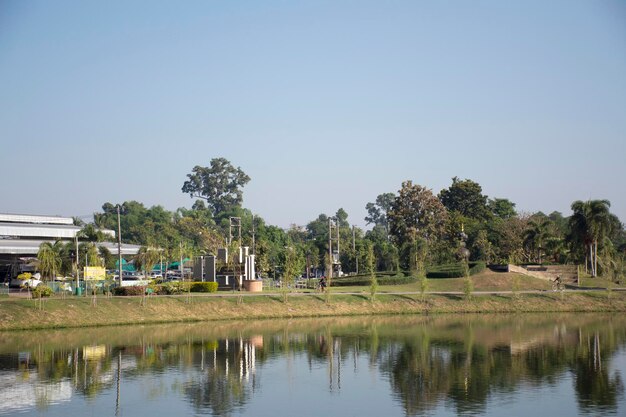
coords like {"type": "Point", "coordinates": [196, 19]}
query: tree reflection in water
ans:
{"type": "Point", "coordinates": [456, 361]}
{"type": "Point", "coordinates": [228, 377]}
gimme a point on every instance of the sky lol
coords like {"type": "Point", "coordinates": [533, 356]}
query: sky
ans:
{"type": "Point", "coordinates": [324, 104]}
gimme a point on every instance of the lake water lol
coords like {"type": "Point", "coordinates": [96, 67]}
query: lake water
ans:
{"type": "Point", "coordinates": [525, 365]}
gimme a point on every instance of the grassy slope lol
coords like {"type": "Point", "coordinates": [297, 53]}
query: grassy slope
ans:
{"type": "Point", "coordinates": [484, 281]}
{"type": "Point", "coordinates": [78, 312]}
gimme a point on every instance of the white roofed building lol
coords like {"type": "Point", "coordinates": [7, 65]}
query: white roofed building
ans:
{"type": "Point", "coordinates": [21, 235]}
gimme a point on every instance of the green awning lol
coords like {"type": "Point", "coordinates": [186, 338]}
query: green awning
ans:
{"type": "Point", "coordinates": [125, 265]}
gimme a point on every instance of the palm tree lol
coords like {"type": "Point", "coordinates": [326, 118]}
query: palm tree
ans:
{"type": "Point", "coordinates": [105, 255]}
{"type": "Point", "coordinates": [535, 236]}
{"type": "Point", "coordinates": [93, 255]}
{"type": "Point", "coordinates": [92, 233]}
{"type": "Point", "coordinates": [49, 258]}
{"type": "Point", "coordinates": [147, 258]}
{"type": "Point", "coordinates": [590, 223]}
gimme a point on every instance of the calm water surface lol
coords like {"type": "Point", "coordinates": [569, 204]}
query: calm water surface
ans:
{"type": "Point", "coordinates": [527, 365]}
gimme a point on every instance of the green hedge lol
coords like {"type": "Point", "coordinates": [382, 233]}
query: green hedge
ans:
{"type": "Point", "coordinates": [169, 288]}
{"type": "Point", "coordinates": [363, 280]}
{"type": "Point", "coordinates": [127, 291]}
{"type": "Point", "coordinates": [478, 268]}
{"type": "Point", "coordinates": [454, 270]}
{"type": "Point", "coordinates": [203, 287]}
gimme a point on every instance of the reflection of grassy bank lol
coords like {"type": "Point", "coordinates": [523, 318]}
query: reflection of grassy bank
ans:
{"type": "Point", "coordinates": [491, 330]}
{"type": "Point", "coordinates": [79, 312]}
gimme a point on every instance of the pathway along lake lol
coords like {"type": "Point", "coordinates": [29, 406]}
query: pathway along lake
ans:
{"type": "Point", "coordinates": [518, 365]}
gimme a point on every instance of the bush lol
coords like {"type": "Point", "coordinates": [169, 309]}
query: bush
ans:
{"type": "Point", "coordinates": [128, 291]}
{"type": "Point", "coordinates": [454, 270]}
{"type": "Point", "coordinates": [366, 280]}
{"type": "Point", "coordinates": [172, 288]}
{"type": "Point", "coordinates": [42, 291]}
{"type": "Point", "coordinates": [477, 268]}
{"type": "Point", "coordinates": [203, 287]}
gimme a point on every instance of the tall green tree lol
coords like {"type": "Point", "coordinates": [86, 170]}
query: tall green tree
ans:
{"type": "Point", "coordinates": [502, 208]}
{"type": "Point", "coordinates": [49, 258]}
{"type": "Point", "coordinates": [415, 214]}
{"type": "Point", "coordinates": [147, 258]}
{"type": "Point", "coordinates": [385, 252]}
{"type": "Point", "coordinates": [219, 184]}
{"type": "Point", "coordinates": [377, 212]}
{"type": "Point", "coordinates": [293, 265]}
{"type": "Point", "coordinates": [92, 257]}
{"type": "Point", "coordinates": [535, 236]}
{"type": "Point", "coordinates": [590, 223]}
{"type": "Point", "coordinates": [466, 198]}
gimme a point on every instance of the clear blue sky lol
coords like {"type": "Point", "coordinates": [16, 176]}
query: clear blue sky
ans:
{"type": "Point", "coordinates": [325, 104]}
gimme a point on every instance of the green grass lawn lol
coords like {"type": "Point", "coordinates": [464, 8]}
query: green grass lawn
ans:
{"type": "Point", "coordinates": [484, 281]}
{"type": "Point", "coordinates": [597, 282]}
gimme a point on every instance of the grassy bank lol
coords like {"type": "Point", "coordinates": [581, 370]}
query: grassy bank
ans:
{"type": "Point", "coordinates": [81, 312]}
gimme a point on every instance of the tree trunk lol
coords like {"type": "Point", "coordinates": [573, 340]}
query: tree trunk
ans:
{"type": "Point", "coordinates": [595, 256]}
{"type": "Point", "coordinates": [593, 271]}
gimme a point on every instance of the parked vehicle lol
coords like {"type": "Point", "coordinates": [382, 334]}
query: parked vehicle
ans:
{"type": "Point", "coordinates": [26, 280]}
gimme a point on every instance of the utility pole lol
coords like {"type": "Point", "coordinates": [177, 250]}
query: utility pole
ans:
{"type": "Point", "coordinates": [337, 228]}
{"type": "Point", "coordinates": [235, 223]}
{"type": "Point", "coordinates": [356, 257]}
{"type": "Point", "coordinates": [180, 265]}
{"type": "Point", "coordinates": [77, 265]}
{"type": "Point", "coordinates": [253, 233]}
{"type": "Point", "coordinates": [119, 244]}
{"type": "Point", "coordinates": [330, 249]}
{"type": "Point", "coordinates": [333, 223]}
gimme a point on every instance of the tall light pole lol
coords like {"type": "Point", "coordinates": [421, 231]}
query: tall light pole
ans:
{"type": "Point", "coordinates": [330, 249]}
{"type": "Point", "coordinates": [356, 257]}
{"type": "Point", "coordinates": [77, 265]}
{"type": "Point", "coordinates": [119, 244]}
{"type": "Point", "coordinates": [253, 237]}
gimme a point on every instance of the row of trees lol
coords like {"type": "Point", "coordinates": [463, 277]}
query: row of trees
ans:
{"type": "Point", "coordinates": [411, 229]}
{"type": "Point", "coordinates": [59, 258]}
{"type": "Point", "coordinates": [429, 229]}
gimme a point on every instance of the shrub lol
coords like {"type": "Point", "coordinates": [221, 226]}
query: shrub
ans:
{"type": "Point", "coordinates": [366, 280]}
{"type": "Point", "coordinates": [42, 291]}
{"type": "Point", "coordinates": [423, 285]}
{"type": "Point", "coordinates": [468, 287]}
{"type": "Point", "coordinates": [172, 288]}
{"type": "Point", "coordinates": [477, 268]}
{"type": "Point", "coordinates": [373, 286]}
{"type": "Point", "coordinates": [128, 291]}
{"type": "Point", "coordinates": [203, 287]}
{"type": "Point", "coordinates": [446, 271]}
{"type": "Point", "coordinates": [454, 270]}
{"type": "Point", "coordinates": [153, 288]}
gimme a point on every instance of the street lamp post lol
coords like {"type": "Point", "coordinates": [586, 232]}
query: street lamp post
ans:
{"type": "Point", "coordinates": [119, 245]}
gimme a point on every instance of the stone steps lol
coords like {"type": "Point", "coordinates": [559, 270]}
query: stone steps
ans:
{"type": "Point", "coordinates": [568, 273]}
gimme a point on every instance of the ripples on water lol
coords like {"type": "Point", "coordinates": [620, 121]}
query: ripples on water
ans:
{"type": "Point", "coordinates": [445, 365]}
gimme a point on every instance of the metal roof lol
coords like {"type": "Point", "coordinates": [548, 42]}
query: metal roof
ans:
{"type": "Point", "coordinates": [52, 231]}
{"type": "Point", "coordinates": [28, 218]}
{"type": "Point", "coordinates": [31, 247]}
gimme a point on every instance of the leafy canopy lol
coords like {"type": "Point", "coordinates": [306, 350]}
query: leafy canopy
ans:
{"type": "Point", "coordinates": [465, 197]}
{"type": "Point", "coordinates": [220, 185]}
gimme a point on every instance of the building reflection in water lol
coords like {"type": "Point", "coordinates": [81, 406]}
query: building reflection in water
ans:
{"type": "Point", "coordinates": [427, 361]}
